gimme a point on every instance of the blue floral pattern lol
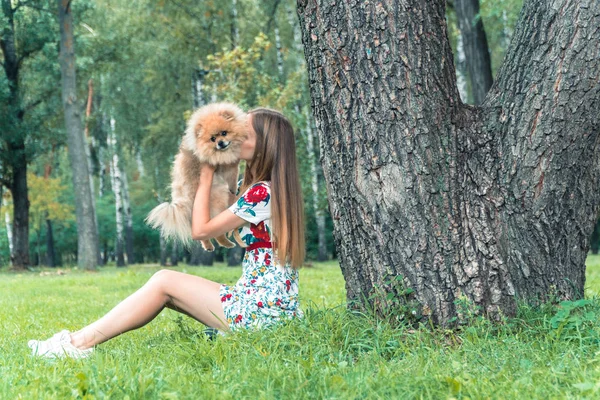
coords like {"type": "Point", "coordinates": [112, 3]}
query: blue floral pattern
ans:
{"type": "Point", "coordinates": [266, 293]}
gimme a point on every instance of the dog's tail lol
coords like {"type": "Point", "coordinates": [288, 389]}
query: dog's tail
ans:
{"type": "Point", "coordinates": [174, 221]}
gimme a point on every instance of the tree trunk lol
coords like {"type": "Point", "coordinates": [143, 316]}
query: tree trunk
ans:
{"type": "Point", "coordinates": [483, 205]}
{"type": "Point", "coordinates": [8, 224]}
{"type": "Point", "coordinates": [115, 176]}
{"type": "Point", "coordinates": [174, 254]}
{"type": "Point", "coordinates": [595, 239]}
{"type": "Point", "coordinates": [235, 34]}
{"type": "Point", "coordinates": [50, 257]}
{"type": "Point", "coordinates": [87, 234]}
{"type": "Point", "coordinates": [475, 43]}
{"type": "Point", "coordinates": [163, 250]}
{"type": "Point", "coordinates": [105, 255]}
{"type": "Point", "coordinates": [20, 199]}
{"type": "Point", "coordinates": [128, 218]}
{"type": "Point", "coordinates": [319, 214]}
{"type": "Point", "coordinates": [279, 51]}
{"type": "Point", "coordinates": [235, 256]}
{"type": "Point", "coordinates": [15, 141]}
{"type": "Point", "coordinates": [89, 147]}
{"type": "Point", "coordinates": [199, 256]}
{"type": "Point", "coordinates": [461, 68]}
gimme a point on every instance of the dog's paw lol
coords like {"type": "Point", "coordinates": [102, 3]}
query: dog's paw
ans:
{"type": "Point", "coordinates": [227, 244]}
{"type": "Point", "coordinates": [207, 246]}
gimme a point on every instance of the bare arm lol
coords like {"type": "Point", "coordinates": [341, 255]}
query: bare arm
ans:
{"type": "Point", "coordinates": [203, 227]}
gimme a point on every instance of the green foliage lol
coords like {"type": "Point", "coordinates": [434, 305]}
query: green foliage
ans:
{"type": "Point", "coordinates": [45, 195]}
{"type": "Point", "coordinates": [393, 301]}
{"type": "Point", "coordinates": [572, 317]}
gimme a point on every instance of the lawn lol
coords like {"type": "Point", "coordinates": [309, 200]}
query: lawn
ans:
{"type": "Point", "coordinates": [542, 353]}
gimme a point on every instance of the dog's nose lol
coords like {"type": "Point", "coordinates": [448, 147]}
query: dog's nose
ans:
{"type": "Point", "coordinates": [221, 144]}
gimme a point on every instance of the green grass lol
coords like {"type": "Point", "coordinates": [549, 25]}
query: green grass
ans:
{"type": "Point", "coordinates": [329, 354]}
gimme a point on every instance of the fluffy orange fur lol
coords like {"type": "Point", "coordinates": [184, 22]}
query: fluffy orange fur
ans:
{"type": "Point", "coordinates": [214, 135]}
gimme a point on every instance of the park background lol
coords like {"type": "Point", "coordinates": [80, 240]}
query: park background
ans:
{"type": "Point", "coordinates": [142, 67]}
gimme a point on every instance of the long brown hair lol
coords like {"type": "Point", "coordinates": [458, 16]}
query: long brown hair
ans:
{"type": "Point", "coordinates": [274, 160]}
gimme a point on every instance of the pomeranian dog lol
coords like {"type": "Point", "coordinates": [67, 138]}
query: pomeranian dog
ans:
{"type": "Point", "coordinates": [214, 135]}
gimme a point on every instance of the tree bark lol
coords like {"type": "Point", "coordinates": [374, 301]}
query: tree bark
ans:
{"type": "Point", "coordinates": [490, 204]}
{"type": "Point", "coordinates": [19, 192]}
{"type": "Point", "coordinates": [479, 65]}
{"type": "Point", "coordinates": [115, 175]}
{"type": "Point", "coordinates": [87, 234]}
{"type": "Point", "coordinates": [15, 142]}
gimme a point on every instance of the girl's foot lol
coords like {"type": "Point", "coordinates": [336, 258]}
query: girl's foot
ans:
{"type": "Point", "coordinates": [58, 346]}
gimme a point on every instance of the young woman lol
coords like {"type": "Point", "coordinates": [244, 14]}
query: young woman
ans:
{"type": "Point", "coordinates": [269, 214]}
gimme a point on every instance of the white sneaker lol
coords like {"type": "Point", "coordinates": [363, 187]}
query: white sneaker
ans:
{"type": "Point", "coordinates": [58, 346]}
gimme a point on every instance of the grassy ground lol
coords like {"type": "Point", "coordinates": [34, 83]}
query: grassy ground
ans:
{"type": "Point", "coordinates": [543, 353]}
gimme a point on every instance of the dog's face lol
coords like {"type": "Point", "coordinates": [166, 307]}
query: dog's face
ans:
{"type": "Point", "coordinates": [216, 132]}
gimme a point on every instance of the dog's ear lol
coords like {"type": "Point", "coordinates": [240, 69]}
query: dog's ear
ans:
{"type": "Point", "coordinates": [228, 115]}
{"type": "Point", "coordinates": [198, 127]}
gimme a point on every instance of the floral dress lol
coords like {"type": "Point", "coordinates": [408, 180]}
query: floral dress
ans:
{"type": "Point", "coordinates": [266, 293]}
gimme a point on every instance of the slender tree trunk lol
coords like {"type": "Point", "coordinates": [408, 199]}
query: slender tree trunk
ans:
{"type": "Point", "coordinates": [139, 163]}
{"type": "Point", "coordinates": [105, 255]}
{"type": "Point", "coordinates": [128, 218]}
{"type": "Point", "coordinates": [163, 250]}
{"type": "Point", "coordinates": [115, 175]}
{"type": "Point", "coordinates": [484, 204]}
{"type": "Point", "coordinates": [50, 257]}
{"type": "Point", "coordinates": [475, 42]}
{"type": "Point", "coordinates": [319, 214]}
{"type": "Point", "coordinates": [461, 68]}
{"type": "Point", "coordinates": [279, 51]}
{"type": "Point", "coordinates": [8, 224]}
{"type": "Point", "coordinates": [174, 254]}
{"type": "Point", "coordinates": [199, 256]}
{"type": "Point", "coordinates": [87, 233]}
{"type": "Point", "coordinates": [595, 239]}
{"type": "Point", "coordinates": [235, 34]}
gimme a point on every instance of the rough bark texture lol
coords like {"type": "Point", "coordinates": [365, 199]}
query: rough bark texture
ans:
{"type": "Point", "coordinates": [479, 65]}
{"type": "Point", "coordinates": [19, 192]}
{"type": "Point", "coordinates": [87, 236]}
{"type": "Point", "coordinates": [493, 203]}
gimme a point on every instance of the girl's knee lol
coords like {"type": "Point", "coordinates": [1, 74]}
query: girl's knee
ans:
{"type": "Point", "coordinates": [161, 278]}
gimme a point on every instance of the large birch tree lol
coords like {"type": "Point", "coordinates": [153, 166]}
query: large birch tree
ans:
{"type": "Point", "coordinates": [491, 204]}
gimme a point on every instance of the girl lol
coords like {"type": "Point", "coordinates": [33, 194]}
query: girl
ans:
{"type": "Point", "coordinates": [269, 214]}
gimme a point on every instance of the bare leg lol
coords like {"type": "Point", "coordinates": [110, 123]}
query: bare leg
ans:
{"type": "Point", "coordinates": [189, 294]}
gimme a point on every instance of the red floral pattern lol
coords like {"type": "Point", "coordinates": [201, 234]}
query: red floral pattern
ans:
{"type": "Point", "coordinates": [256, 194]}
{"type": "Point", "coordinates": [254, 206]}
{"type": "Point", "coordinates": [260, 232]}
